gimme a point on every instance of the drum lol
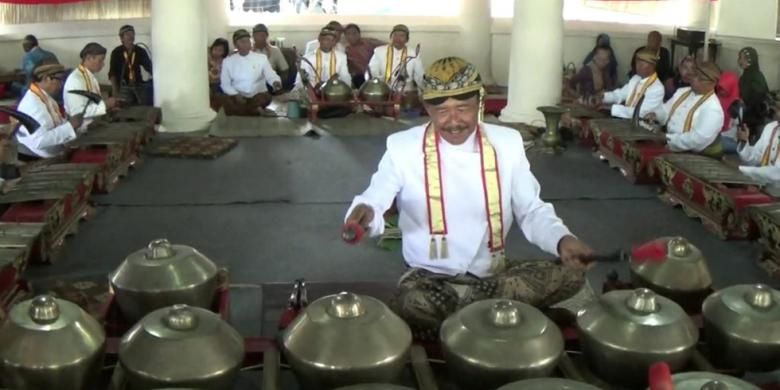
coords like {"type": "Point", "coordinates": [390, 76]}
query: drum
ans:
{"type": "Point", "coordinates": [629, 148]}
{"type": "Point", "coordinates": [711, 190]}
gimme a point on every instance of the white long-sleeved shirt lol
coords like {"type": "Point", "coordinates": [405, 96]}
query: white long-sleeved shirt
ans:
{"type": "Point", "coordinates": [401, 176]}
{"type": "Point", "coordinates": [705, 127]}
{"type": "Point", "coordinates": [54, 131]}
{"type": "Point", "coordinates": [247, 75]}
{"type": "Point", "coordinates": [414, 67]}
{"type": "Point", "coordinates": [324, 75]}
{"type": "Point", "coordinates": [82, 79]}
{"type": "Point", "coordinates": [752, 155]}
{"type": "Point", "coordinates": [312, 46]}
{"type": "Point", "coordinates": [654, 97]}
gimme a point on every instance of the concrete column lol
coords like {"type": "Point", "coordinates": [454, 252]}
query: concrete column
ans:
{"type": "Point", "coordinates": [181, 87]}
{"type": "Point", "coordinates": [217, 21]}
{"type": "Point", "coordinates": [535, 60]}
{"type": "Point", "coordinates": [476, 37]}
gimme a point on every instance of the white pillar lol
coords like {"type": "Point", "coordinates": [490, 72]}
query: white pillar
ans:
{"type": "Point", "coordinates": [217, 21]}
{"type": "Point", "coordinates": [536, 59]}
{"type": "Point", "coordinates": [181, 87]}
{"type": "Point", "coordinates": [476, 37]}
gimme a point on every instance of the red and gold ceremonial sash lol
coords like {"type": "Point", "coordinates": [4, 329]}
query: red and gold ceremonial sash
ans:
{"type": "Point", "coordinates": [389, 65]}
{"type": "Point", "coordinates": [130, 60]}
{"type": "Point", "coordinates": [434, 193]}
{"type": "Point", "coordinates": [765, 158]}
{"type": "Point", "coordinates": [51, 105]}
{"type": "Point", "coordinates": [689, 118]}
{"type": "Point", "coordinates": [634, 98]}
{"type": "Point", "coordinates": [87, 75]}
{"type": "Point", "coordinates": [319, 65]}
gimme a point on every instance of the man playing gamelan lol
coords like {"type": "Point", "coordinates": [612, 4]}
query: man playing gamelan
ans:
{"type": "Point", "coordinates": [387, 58]}
{"type": "Point", "coordinates": [693, 116]}
{"type": "Point", "coordinates": [459, 184]}
{"type": "Point", "coordinates": [644, 84]}
{"type": "Point", "coordinates": [760, 161]}
{"type": "Point", "coordinates": [93, 58]}
{"type": "Point", "coordinates": [324, 62]}
{"type": "Point", "coordinates": [55, 130]}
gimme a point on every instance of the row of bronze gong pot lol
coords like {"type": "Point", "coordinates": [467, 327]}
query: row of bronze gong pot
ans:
{"type": "Point", "coordinates": [349, 339]}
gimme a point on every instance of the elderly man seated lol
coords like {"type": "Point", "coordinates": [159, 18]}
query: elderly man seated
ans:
{"type": "Point", "coordinates": [244, 77]}
{"type": "Point", "coordinates": [55, 130]}
{"type": "Point", "coordinates": [760, 161]}
{"type": "Point", "coordinates": [643, 85]}
{"type": "Point", "coordinates": [325, 62]}
{"type": "Point", "coordinates": [388, 58]}
{"type": "Point", "coordinates": [93, 58]}
{"type": "Point", "coordinates": [693, 116]}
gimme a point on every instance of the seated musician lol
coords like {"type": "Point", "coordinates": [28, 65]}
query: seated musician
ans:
{"type": "Point", "coordinates": [93, 58]}
{"type": "Point", "coordinates": [244, 77]}
{"type": "Point", "coordinates": [644, 84]}
{"type": "Point", "coordinates": [693, 116]}
{"type": "Point", "coordinates": [387, 58]}
{"type": "Point", "coordinates": [593, 78]}
{"type": "Point", "coordinates": [338, 29]}
{"type": "Point", "coordinates": [55, 130]}
{"type": "Point", "coordinates": [359, 51]}
{"type": "Point", "coordinates": [324, 62]}
{"type": "Point", "coordinates": [760, 161]}
{"type": "Point", "coordinates": [274, 54]}
{"type": "Point", "coordinates": [454, 223]}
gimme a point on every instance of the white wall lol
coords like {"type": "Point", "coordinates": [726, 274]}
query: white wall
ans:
{"type": "Point", "coordinates": [438, 37]}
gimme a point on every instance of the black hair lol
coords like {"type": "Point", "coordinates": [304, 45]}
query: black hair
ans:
{"type": "Point", "coordinates": [221, 42]}
{"type": "Point", "coordinates": [92, 49]}
{"type": "Point", "coordinates": [32, 39]}
{"type": "Point", "coordinates": [352, 25]}
{"type": "Point", "coordinates": [440, 100]}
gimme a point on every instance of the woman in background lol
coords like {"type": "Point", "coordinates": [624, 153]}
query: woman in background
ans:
{"type": "Point", "coordinates": [594, 77]}
{"type": "Point", "coordinates": [603, 41]}
{"type": "Point", "coordinates": [682, 77]}
{"type": "Point", "coordinates": [218, 51]}
{"type": "Point", "coordinates": [728, 95]}
{"type": "Point", "coordinates": [753, 89]}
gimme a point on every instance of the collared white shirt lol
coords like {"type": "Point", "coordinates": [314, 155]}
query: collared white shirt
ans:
{"type": "Point", "coordinates": [48, 140]}
{"type": "Point", "coordinates": [312, 46]}
{"type": "Point", "coordinates": [752, 155]}
{"type": "Point", "coordinates": [342, 71]}
{"type": "Point", "coordinates": [414, 67]}
{"type": "Point", "coordinates": [247, 75]}
{"type": "Point", "coordinates": [75, 104]}
{"type": "Point", "coordinates": [705, 127]}
{"type": "Point", "coordinates": [654, 97]}
{"type": "Point", "coordinates": [401, 176]}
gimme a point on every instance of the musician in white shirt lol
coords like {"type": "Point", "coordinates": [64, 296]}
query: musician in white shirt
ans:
{"type": "Point", "coordinates": [760, 161]}
{"type": "Point", "coordinates": [93, 58]}
{"type": "Point", "coordinates": [643, 85]}
{"type": "Point", "coordinates": [459, 184]}
{"type": "Point", "coordinates": [325, 62]}
{"type": "Point", "coordinates": [387, 58]}
{"type": "Point", "coordinates": [338, 29]}
{"type": "Point", "coordinates": [244, 77]}
{"type": "Point", "coordinates": [54, 131]}
{"type": "Point", "coordinates": [694, 116]}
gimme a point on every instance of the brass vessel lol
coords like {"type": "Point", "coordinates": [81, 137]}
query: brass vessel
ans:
{"type": "Point", "coordinates": [50, 343]}
{"type": "Point", "coordinates": [496, 341]}
{"type": "Point", "coordinates": [548, 384]}
{"type": "Point", "coordinates": [626, 331]}
{"type": "Point", "coordinates": [346, 339]}
{"type": "Point", "coordinates": [181, 346]}
{"type": "Point", "coordinates": [374, 90]}
{"type": "Point", "coordinates": [162, 275]}
{"type": "Point", "coordinates": [551, 139]}
{"type": "Point", "coordinates": [742, 327]}
{"type": "Point", "coordinates": [335, 90]}
{"type": "Point", "coordinates": [701, 380]}
{"type": "Point", "coordinates": [683, 276]}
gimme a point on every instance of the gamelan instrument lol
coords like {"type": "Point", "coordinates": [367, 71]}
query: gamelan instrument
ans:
{"type": "Point", "coordinates": [629, 147]}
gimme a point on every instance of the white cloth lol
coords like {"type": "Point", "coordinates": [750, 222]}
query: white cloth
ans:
{"type": "Point", "coordinates": [654, 97]}
{"type": "Point", "coordinates": [341, 68]}
{"type": "Point", "coordinates": [312, 46]}
{"type": "Point", "coordinates": [751, 157]}
{"type": "Point", "coordinates": [48, 140]}
{"type": "Point", "coordinates": [74, 104]}
{"type": "Point", "coordinates": [414, 67]}
{"type": "Point", "coordinates": [247, 75]}
{"type": "Point", "coordinates": [706, 125]}
{"type": "Point", "coordinates": [401, 176]}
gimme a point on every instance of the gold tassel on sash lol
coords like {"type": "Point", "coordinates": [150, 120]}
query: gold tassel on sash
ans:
{"type": "Point", "coordinates": [445, 253]}
{"type": "Point", "coordinates": [432, 252]}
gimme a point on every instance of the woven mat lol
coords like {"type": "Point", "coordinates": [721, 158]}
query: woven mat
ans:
{"type": "Point", "coordinates": [192, 147]}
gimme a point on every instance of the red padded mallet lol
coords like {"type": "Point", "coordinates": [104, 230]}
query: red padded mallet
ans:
{"type": "Point", "coordinates": [659, 377]}
{"type": "Point", "coordinates": [352, 233]}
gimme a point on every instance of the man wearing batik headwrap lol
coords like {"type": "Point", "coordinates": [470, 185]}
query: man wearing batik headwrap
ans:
{"type": "Point", "coordinates": [124, 70]}
{"type": "Point", "coordinates": [338, 29]}
{"type": "Point", "coordinates": [459, 185]}
{"type": "Point", "coordinates": [387, 58]}
{"type": "Point", "coordinates": [325, 62]}
{"type": "Point", "coordinates": [643, 85]}
{"type": "Point", "coordinates": [274, 54]}
{"type": "Point", "coordinates": [93, 58]}
{"type": "Point", "coordinates": [760, 161]}
{"type": "Point", "coordinates": [55, 130]}
{"type": "Point", "coordinates": [693, 116]}
{"type": "Point", "coordinates": [244, 78]}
